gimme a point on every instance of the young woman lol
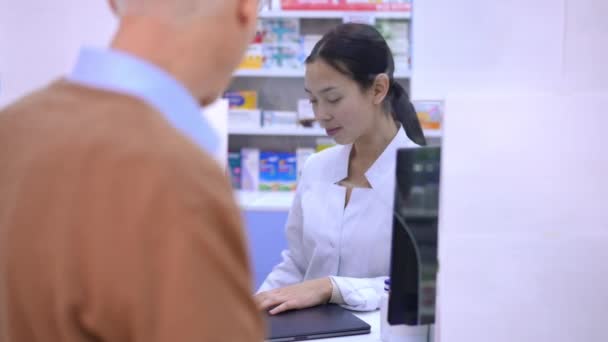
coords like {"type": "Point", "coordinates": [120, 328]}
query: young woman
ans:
{"type": "Point", "coordinates": [339, 226]}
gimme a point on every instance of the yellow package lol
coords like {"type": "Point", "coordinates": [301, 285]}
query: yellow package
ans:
{"type": "Point", "coordinates": [254, 58]}
{"type": "Point", "coordinates": [430, 114]}
{"type": "Point", "coordinates": [245, 99]}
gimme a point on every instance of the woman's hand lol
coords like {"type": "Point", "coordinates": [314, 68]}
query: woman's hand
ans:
{"type": "Point", "coordinates": [304, 295]}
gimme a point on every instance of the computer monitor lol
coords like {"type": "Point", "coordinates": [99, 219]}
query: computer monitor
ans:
{"type": "Point", "coordinates": [414, 261]}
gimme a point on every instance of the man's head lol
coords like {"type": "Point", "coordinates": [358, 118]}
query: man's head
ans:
{"type": "Point", "coordinates": [200, 42]}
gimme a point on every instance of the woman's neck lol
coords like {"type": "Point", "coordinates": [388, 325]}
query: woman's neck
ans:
{"type": "Point", "coordinates": [371, 145]}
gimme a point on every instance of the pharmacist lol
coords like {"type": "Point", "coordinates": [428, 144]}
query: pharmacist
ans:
{"type": "Point", "coordinates": [339, 227]}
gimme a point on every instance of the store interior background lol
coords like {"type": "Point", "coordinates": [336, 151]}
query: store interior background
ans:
{"type": "Point", "coordinates": [520, 49]}
{"type": "Point", "coordinates": [468, 45]}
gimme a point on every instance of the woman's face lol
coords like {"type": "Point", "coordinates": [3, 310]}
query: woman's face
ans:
{"type": "Point", "coordinates": [340, 105]}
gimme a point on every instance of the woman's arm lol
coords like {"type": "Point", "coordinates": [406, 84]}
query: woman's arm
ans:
{"type": "Point", "coordinates": [361, 294]}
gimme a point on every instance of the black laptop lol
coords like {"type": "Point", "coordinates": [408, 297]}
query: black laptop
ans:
{"type": "Point", "coordinates": [319, 322]}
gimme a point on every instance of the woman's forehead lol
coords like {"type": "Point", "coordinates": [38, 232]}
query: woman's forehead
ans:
{"type": "Point", "coordinates": [321, 77]}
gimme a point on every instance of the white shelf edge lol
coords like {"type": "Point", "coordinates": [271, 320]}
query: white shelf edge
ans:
{"type": "Point", "coordinates": [334, 14]}
{"type": "Point", "coordinates": [432, 133]}
{"type": "Point", "coordinates": [293, 73]}
{"type": "Point", "coordinates": [298, 131]}
{"type": "Point", "coordinates": [282, 131]}
{"type": "Point", "coordinates": [264, 201]}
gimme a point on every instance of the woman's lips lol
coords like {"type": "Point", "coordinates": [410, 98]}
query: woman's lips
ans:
{"type": "Point", "coordinates": [332, 131]}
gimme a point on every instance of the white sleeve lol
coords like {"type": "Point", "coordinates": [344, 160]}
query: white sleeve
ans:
{"type": "Point", "coordinates": [360, 294]}
{"type": "Point", "coordinates": [291, 270]}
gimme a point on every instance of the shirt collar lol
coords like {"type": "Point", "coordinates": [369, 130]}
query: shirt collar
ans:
{"type": "Point", "coordinates": [385, 164]}
{"type": "Point", "coordinates": [120, 72]}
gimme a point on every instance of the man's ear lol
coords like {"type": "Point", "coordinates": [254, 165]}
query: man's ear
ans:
{"type": "Point", "coordinates": [248, 11]}
{"type": "Point", "coordinates": [113, 6]}
{"type": "Point", "coordinates": [382, 85]}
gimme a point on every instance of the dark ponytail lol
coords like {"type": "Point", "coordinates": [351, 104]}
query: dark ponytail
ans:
{"type": "Point", "coordinates": [405, 113]}
{"type": "Point", "coordinates": [360, 52]}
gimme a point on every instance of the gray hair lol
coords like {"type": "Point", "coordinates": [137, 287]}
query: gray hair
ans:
{"type": "Point", "coordinates": [177, 7]}
{"type": "Point", "coordinates": [120, 6]}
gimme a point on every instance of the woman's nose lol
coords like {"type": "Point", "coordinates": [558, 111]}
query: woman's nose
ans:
{"type": "Point", "coordinates": [322, 115]}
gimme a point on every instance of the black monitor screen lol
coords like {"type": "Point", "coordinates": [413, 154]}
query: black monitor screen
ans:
{"type": "Point", "coordinates": [414, 246]}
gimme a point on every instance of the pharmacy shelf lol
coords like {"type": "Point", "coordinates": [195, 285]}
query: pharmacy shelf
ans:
{"type": "Point", "coordinates": [298, 131]}
{"type": "Point", "coordinates": [335, 14]}
{"type": "Point", "coordinates": [432, 133]}
{"type": "Point", "coordinates": [293, 73]}
{"type": "Point", "coordinates": [278, 131]}
{"type": "Point", "coordinates": [278, 73]}
{"type": "Point", "coordinates": [264, 201]}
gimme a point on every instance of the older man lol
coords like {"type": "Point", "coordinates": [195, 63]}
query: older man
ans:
{"type": "Point", "coordinates": [116, 224]}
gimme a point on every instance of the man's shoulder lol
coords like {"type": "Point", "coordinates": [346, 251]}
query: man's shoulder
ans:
{"type": "Point", "coordinates": [74, 122]}
{"type": "Point", "coordinates": [69, 109]}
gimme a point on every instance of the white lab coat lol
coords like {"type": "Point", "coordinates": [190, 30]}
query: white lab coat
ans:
{"type": "Point", "coordinates": [352, 244]}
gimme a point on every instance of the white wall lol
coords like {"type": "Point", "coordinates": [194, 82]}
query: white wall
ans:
{"type": "Point", "coordinates": [524, 224]}
{"type": "Point", "coordinates": [39, 40]}
{"type": "Point", "coordinates": [509, 46]}
{"type": "Point", "coordinates": [586, 45]}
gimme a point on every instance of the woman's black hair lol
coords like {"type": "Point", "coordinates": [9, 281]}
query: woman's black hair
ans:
{"type": "Point", "coordinates": [360, 52]}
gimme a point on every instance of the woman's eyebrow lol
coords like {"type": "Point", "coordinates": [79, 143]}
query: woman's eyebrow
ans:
{"type": "Point", "coordinates": [324, 90]}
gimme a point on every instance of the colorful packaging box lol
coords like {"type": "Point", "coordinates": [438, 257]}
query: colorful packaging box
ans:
{"type": "Point", "coordinates": [250, 169]}
{"type": "Point", "coordinates": [244, 99]}
{"type": "Point", "coordinates": [234, 168]}
{"type": "Point", "coordinates": [254, 57]}
{"type": "Point", "coordinates": [275, 118]}
{"type": "Point", "coordinates": [283, 56]}
{"type": "Point", "coordinates": [280, 30]}
{"type": "Point", "coordinates": [247, 118]}
{"type": "Point", "coordinates": [287, 171]}
{"type": "Point", "coordinates": [430, 114]}
{"type": "Point", "coordinates": [278, 171]}
{"type": "Point", "coordinates": [282, 43]}
{"type": "Point", "coordinates": [397, 33]}
{"type": "Point", "coordinates": [269, 164]}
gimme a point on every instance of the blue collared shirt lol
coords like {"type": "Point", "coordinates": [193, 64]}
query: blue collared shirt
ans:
{"type": "Point", "coordinates": [120, 72]}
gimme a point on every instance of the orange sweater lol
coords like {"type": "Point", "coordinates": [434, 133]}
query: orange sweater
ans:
{"type": "Point", "coordinates": [114, 227]}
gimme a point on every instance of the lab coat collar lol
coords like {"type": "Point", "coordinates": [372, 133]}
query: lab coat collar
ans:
{"type": "Point", "coordinates": [341, 169]}
{"type": "Point", "coordinates": [386, 163]}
